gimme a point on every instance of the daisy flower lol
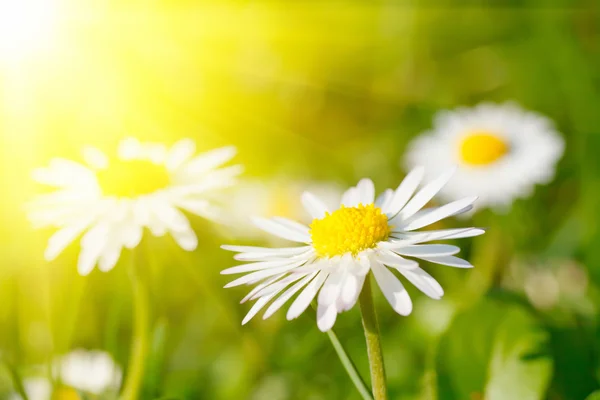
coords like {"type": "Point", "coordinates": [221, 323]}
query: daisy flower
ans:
{"type": "Point", "coordinates": [342, 246]}
{"type": "Point", "coordinates": [502, 152]}
{"type": "Point", "coordinates": [90, 371]}
{"type": "Point", "coordinates": [111, 201]}
{"type": "Point", "coordinates": [36, 388]}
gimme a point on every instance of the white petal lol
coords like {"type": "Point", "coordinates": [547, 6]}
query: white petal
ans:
{"type": "Point", "coordinates": [170, 216]}
{"type": "Point", "coordinates": [392, 289]}
{"type": "Point", "coordinates": [404, 192]}
{"type": "Point", "coordinates": [271, 254]}
{"type": "Point", "coordinates": [350, 198]}
{"type": "Point", "coordinates": [428, 236]}
{"type": "Point", "coordinates": [260, 303]}
{"type": "Point", "coordinates": [209, 160]}
{"type": "Point", "coordinates": [249, 249]}
{"type": "Point", "coordinates": [179, 153]}
{"type": "Point", "coordinates": [394, 260]}
{"type": "Point", "coordinates": [450, 261]}
{"type": "Point", "coordinates": [279, 285]}
{"type": "Point", "coordinates": [195, 206]}
{"type": "Point", "coordinates": [262, 265]}
{"type": "Point", "coordinates": [326, 316]}
{"type": "Point", "coordinates": [258, 275]}
{"type": "Point", "coordinates": [87, 260]}
{"type": "Point", "coordinates": [351, 288]}
{"type": "Point", "coordinates": [186, 239]}
{"type": "Point", "coordinates": [131, 235]}
{"type": "Point", "coordinates": [129, 148]}
{"type": "Point", "coordinates": [384, 199]}
{"type": "Point", "coordinates": [109, 258]}
{"type": "Point", "coordinates": [313, 205]}
{"type": "Point", "coordinates": [260, 287]}
{"type": "Point", "coordinates": [62, 238]}
{"type": "Point", "coordinates": [366, 191]}
{"type": "Point", "coordinates": [95, 158]}
{"type": "Point", "coordinates": [331, 288]}
{"type": "Point", "coordinates": [307, 295]}
{"type": "Point", "coordinates": [429, 216]}
{"type": "Point", "coordinates": [282, 230]}
{"type": "Point", "coordinates": [425, 195]}
{"type": "Point", "coordinates": [281, 300]}
{"type": "Point", "coordinates": [427, 250]}
{"type": "Point", "coordinates": [423, 281]}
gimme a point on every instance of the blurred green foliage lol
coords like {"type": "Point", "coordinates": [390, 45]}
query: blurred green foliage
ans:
{"type": "Point", "coordinates": [316, 91]}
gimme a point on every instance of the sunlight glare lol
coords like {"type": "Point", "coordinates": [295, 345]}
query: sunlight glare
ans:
{"type": "Point", "coordinates": [26, 26]}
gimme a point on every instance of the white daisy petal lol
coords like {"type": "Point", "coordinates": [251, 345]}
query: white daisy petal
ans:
{"type": "Point", "coordinates": [279, 285]}
{"type": "Point", "coordinates": [259, 275]}
{"type": "Point", "coordinates": [260, 303]}
{"type": "Point", "coordinates": [424, 195]}
{"type": "Point", "coordinates": [450, 261]}
{"type": "Point", "coordinates": [315, 207]}
{"type": "Point", "coordinates": [282, 230]}
{"type": "Point", "coordinates": [331, 288]}
{"type": "Point", "coordinates": [63, 237]}
{"type": "Point", "coordinates": [95, 158]}
{"type": "Point", "coordinates": [424, 250]}
{"type": "Point", "coordinates": [261, 286]}
{"type": "Point", "coordinates": [259, 266]}
{"type": "Point", "coordinates": [109, 258]}
{"type": "Point", "coordinates": [185, 238]}
{"type": "Point", "coordinates": [395, 260]}
{"type": "Point", "coordinates": [366, 191]}
{"type": "Point", "coordinates": [423, 281]}
{"type": "Point", "coordinates": [179, 153]}
{"type": "Point", "coordinates": [384, 199]}
{"type": "Point", "coordinates": [326, 316]}
{"type": "Point", "coordinates": [308, 294]}
{"type": "Point", "coordinates": [351, 288]}
{"type": "Point", "coordinates": [432, 215]}
{"type": "Point", "coordinates": [288, 294]}
{"type": "Point", "coordinates": [428, 236]}
{"type": "Point", "coordinates": [274, 254]}
{"type": "Point", "coordinates": [209, 160]}
{"type": "Point", "coordinates": [351, 197]}
{"type": "Point", "coordinates": [404, 192]}
{"type": "Point", "coordinates": [392, 289]}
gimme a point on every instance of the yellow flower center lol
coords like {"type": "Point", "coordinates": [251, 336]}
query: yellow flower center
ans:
{"type": "Point", "coordinates": [482, 148]}
{"type": "Point", "coordinates": [65, 393]}
{"type": "Point", "coordinates": [132, 178]}
{"type": "Point", "coordinates": [349, 230]}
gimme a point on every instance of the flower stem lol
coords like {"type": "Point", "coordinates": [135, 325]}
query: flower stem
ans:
{"type": "Point", "coordinates": [349, 366]}
{"type": "Point", "coordinates": [140, 341]}
{"type": "Point", "coordinates": [369, 319]}
{"type": "Point", "coordinates": [17, 381]}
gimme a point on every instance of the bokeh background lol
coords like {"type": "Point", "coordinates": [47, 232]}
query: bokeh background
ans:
{"type": "Point", "coordinates": [312, 94]}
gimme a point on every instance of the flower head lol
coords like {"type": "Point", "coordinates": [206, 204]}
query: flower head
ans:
{"type": "Point", "coordinates": [502, 152]}
{"type": "Point", "coordinates": [342, 246]}
{"type": "Point", "coordinates": [90, 371]}
{"type": "Point", "coordinates": [111, 201]}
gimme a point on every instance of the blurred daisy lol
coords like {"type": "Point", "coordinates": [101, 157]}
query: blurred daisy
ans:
{"type": "Point", "coordinates": [502, 152]}
{"type": "Point", "coordinates": [111, 201]}
{"type": "Point", "coordinates": [36, 388]}
{"type": "Point", "coordinates": [89, 371]}
{"type": "Point", "coordinates": [343, 245]}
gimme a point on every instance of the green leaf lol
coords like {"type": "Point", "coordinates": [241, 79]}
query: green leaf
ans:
{"type": "Point", "coordinates": [495, 351]}
{"type": "Point", "coordinates": [594, 396]}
